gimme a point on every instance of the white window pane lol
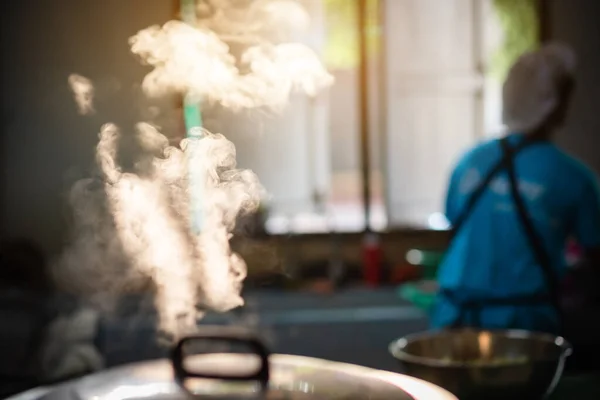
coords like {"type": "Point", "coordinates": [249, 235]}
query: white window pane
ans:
{"type": "Point", "coordinates": [433, 89]}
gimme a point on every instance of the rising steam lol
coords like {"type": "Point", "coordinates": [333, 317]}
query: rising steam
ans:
{"type": "Point", "coordinates": [276, 21]}
{"type": "Point", "coordinates": [131, 228]}
{"type": "Point", "coordinates": [83, 91]}
{"type": "Point", "coordinates": [135, 226]}
{"type": "Point", "coordinates": [196, 62]}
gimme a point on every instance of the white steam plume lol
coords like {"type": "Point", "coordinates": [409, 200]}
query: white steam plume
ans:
{"type": "Point", "coordinates": [83, 91]}
{"type": "Point", "coordinates": [253, 21]}
{"type": "Point", "coordinates": [197, 62]}
{"type": "Point", "coordinates": [135, 228]}
{"type": "Point", "coordinates": [131, 227]}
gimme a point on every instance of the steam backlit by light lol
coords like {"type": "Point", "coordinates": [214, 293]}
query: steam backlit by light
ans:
{"type": "Point", "coordinates": [195, 61]}
{"type": "Point", "coordinates": [83, 91]}
{"type": "Point", "coordinates": [276, 21]}
{"type": "Point", "coordinates": [131, 228]}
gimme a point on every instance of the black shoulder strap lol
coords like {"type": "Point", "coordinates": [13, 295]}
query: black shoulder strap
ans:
{"type": "Point", "coordinates": [479, 190]}
{"type": "Point", "coordinates": [535, 241]}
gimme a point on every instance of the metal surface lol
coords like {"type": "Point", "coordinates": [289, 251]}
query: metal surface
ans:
{"type": "Point", "coordinates": [476, 364]}
{"type": "Point", "coordinates": [299, 377]}
{"type": "Point", "coordinates": [186, 368]}
{"type": "Point", "coordinates": [233, 362]}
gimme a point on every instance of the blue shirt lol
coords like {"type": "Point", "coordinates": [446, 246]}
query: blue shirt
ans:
{"type": "Point", "coordinates": [490, 256]}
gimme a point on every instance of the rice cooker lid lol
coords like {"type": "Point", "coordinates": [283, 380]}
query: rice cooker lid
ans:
{"type": "Point", "coordinates": [256, 375]}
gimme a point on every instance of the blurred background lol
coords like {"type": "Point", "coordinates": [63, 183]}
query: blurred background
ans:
{"type": "Point", "coordinates": [356, 176]}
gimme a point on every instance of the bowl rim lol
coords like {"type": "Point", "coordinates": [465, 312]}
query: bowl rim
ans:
{"type": "Point", "coordinates": [396, 347]}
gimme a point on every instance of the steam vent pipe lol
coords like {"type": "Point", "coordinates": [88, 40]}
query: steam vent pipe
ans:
{"type": "Point", "coordinates": [193, 124]}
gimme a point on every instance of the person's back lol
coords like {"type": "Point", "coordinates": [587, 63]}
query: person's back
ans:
{"type": "Point", "coordinates": [492, 275]}
{"type": "Point", "coordinates": [490, 256]}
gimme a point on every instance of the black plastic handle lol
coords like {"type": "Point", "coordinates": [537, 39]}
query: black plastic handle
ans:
{"type": "Point", "coordinates": [227, 335]}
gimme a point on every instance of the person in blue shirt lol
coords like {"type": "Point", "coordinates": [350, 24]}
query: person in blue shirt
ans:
{"type": "Point", "coordinates": [491, 276]}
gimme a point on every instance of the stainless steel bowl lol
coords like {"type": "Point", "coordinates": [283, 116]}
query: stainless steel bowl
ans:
{"type": "Point", "coordinates": [477, 364]}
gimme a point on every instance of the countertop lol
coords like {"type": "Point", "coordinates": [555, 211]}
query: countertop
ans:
{"type": "Point", "coordinates": [353, 326]}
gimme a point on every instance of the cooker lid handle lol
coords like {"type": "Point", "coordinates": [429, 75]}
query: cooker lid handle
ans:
{"type": "Point", "coordinates": [222, 334]}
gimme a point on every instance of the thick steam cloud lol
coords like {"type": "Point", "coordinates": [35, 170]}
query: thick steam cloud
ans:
{"type": "Point", "coordinates": [198, 62]}
{"type": "Point", "coordinates": [132, 228]}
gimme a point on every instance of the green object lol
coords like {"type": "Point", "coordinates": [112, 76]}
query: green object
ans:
{"type": "Point", "coordinates": [520, 25]}
{"type": "Point", "coordinates": [413, 293]}
{"type": "Point", "coordinates": [341, 48]}
{"type": "Point", "coordinates": [192, 117]}
{"type": "Point", "coordinates": [188, 11]}
{"type": "Point", "coordinates": [193, 121]}
{"type": "Point", "coordinates": [427, 260]}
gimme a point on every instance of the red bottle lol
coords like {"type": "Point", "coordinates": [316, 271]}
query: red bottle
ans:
{"type": "Point", "coordinates": [372, 256]}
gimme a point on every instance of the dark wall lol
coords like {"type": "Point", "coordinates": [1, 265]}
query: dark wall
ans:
{"type": "Point", "coordinates": [576, 22]}
{"type": "Point", "coordinates": [45, 143]}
